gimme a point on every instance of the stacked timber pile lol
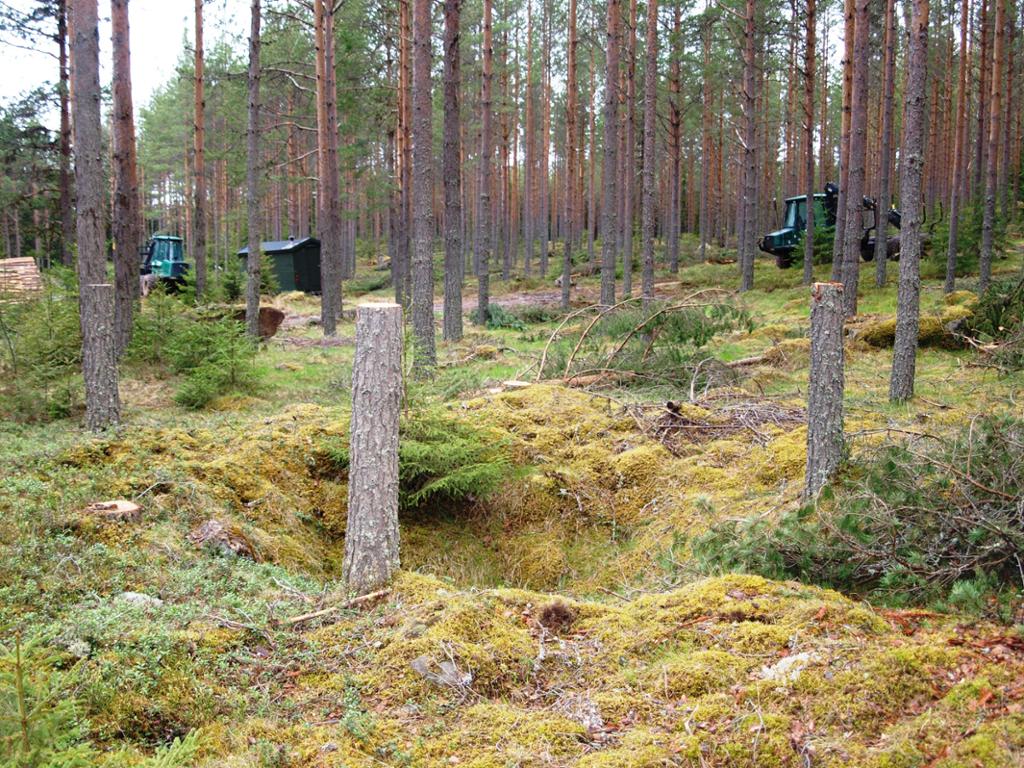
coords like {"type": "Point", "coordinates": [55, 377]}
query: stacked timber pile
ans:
{"type": "Point", "coordinates": [19, 277]}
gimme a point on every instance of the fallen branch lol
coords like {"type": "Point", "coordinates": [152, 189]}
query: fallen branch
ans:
{"type": "Point", "coordinates": [355, 601]}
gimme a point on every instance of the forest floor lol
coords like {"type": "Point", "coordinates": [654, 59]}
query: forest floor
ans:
{"type": "Point", "coordinates": [560, 619]}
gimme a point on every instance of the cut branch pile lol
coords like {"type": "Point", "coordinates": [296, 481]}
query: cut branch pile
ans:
{"type": "Point", "coordinates": [719, 414]}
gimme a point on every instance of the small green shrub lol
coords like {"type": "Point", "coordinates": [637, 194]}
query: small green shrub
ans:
{"type": "Point", "coordinates": [161, 318]}
{"type": "Point", "coordinates": [998, 324]}
{"type": "Point", "coordinates": [441, 459]}
{"type": "Point", "coordinates": [907, 524]}
{"type": "Point", "coordinates": [499, 317]}
{"type": "Point", "coordinates": [40, 726]}
{"type": "Point", "coordinates": [369, 283]}
{"type": "Point", "coordinates": [41, 354]}
{"type": "Point", "coordinates": [217, 358]}
{"type": "Point", "coordinates": [662, 345]}
{"type": "Point", "coordinates": [232, 287]}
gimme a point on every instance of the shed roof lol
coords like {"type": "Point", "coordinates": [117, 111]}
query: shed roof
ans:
{"type": "Point", "coordinates": [282, 246]}
{"type": "Point", "coordinates": [19, 276]}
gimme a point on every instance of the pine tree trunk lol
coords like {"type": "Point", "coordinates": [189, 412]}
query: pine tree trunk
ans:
{"type": "Point", "coordinates": [855, 175]}
{"type": "Point", "coordinates": [66, 197]}
{"type": "Point", "coordinates": [610, 201]}
{"type": "Point", "coordinates": [483, 234]}
{"type": "Point", "coordinates": [570, 156]}
{"type": "Point", "coordinates": [650, 116]}
{"type": "Point", "coordinates": [529, 146]}
{"type": "Point", "coordinates": [629, 156]}
{"type": "Point", "coordinates": [96, 295]}
{"type": "Point", "coordinates": [984, 90]}
{"type": "Point", "coordinates": [749, 151]}
{"type": "Point", "coordinates": [885, 154]}
{"type": "Point", "coordinates": [1003, 183]}
{"type": "Point", "coordinates": [904, 354]}
{"type": "Point", "coordinates": [592, 163]}
{"type": "Point", "coordinates": [992, 153]}
{"type": "Point", "coordinates": [199, 161]}
{"type": "Point", "coordinates": [453, 263]}
{"type": "Point", "coordinates": [252, 203]}
{"type": "Point", "coordinates": [959, 142]}
{"type": "Point", "coordinates": [839, 241]}
{"type": "Point", "coordinates": [424, 352]}
{"type": "Point", "coordinates": [706, 154]}
{"type": "Point", "coordinates": [126, 218]}
{"type": "Point", "coordinates": [371, 531]}
{"type": "Point", "coordinates": [825, 387]}
{"type": "Point", "coordinates": [809, 52]}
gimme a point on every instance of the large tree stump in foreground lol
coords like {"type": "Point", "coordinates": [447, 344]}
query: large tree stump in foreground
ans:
{"type": "Point", "coordinates": [825, 388]}
{"type": "Point", "coordinates": [371, 535]}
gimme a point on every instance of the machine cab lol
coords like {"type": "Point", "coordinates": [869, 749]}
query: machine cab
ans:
{"type": "Point", "coordinates": [164, 257]}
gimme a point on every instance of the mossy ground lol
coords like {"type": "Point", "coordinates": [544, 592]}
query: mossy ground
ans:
{"type": "Point", "coordinates": [655, 668]}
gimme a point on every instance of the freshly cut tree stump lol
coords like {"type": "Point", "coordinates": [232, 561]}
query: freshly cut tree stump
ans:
{"type": "Point", "coordinates": [371, 533]}
{"type": "Point", "coordinates": [116, 511]}
{"type": "Point", "coordinates": [825, 389]}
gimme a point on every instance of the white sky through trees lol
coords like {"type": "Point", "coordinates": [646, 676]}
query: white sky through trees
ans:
{"type": "Point", "coordinates": [159, 31]}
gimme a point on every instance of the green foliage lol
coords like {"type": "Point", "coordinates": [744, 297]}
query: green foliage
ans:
{"type": "Point", "coordinates": [41, 353]}
{"type": "Point", "coordinates": [369, 283]}
{"type": "Point", "coordinates": [39, 722]}
{"type": "Point", "coordinates": [907, 525]}
{"type": "Point", "coordinates": [662, 345]}
{"type": "Point", "coordinates": [269, 284]}
{"type": "Point", "coordinates": [998, 324]}
{"type": "Point", "coordinates": [999, 313]}
{"type": "Point", "coordinates": [441, 459]}
{"type": "Point", "coordinates": [217, 358]}
{"type": "Point", "coordinates": [499, 317]}
{"type": "Point", "coordinates": [232, 287]}
{"type": "Point", "coordinates": [158, 322]}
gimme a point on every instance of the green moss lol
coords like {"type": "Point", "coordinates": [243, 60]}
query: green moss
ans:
{"type": "Point", "coordinates": [496, 735]}
{"type": "Point", "coordinates": [695, 673]}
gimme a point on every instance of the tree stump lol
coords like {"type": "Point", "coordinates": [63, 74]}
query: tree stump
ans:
{"type": "Point", "coordinates": [371, 534]}
{"type": "Point", "coordinates": [99, 357]}
{"type": "Point", "coordinates": [825, 389]}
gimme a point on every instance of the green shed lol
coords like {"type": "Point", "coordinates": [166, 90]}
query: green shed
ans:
{"type": "Point", "coordinates": [296, 263]}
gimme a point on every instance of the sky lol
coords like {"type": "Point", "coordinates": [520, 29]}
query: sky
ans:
{"type": "Point", "coordinates": [159, 29]}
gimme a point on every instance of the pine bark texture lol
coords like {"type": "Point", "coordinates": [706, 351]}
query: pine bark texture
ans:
{"type": "Point", "coordinates": [371, 532]}
{"type": "Point", "coordinates": [849, 16]}
{"type": "Point", "coordinates": [96, 295]}
{"type": "Point", "coordinates": [452, 161]}
{"type": "Point", "coordinates": [199, 167]}
{"type": "Point", "coordinates": [904, 353]}
{"type": "Point", "coordinates": [609, 205]}
{"type": "Point", "coordinates": [424, 351]}
{"type": "Point", "coordinates": [126, 216]}
{"type": "Point", "coordinates": [66, 196]}
{"type": "Point", "coordinates": [885, 154]}
{"type": "Point", "coordinates": [629, 155]}
{"type": "Point", "coordinates": [647, 183]}
{"type": "Point", "coordinates": [809, 51]}
{"type": "Point", "coordinates": [328, 202]}
{"type": "Point", "coordinates": [749, 150]}
{"type": "Point", "coordinates": [992, 153]}
{"type": "Point", "coordinates": [570, 156]}
{"type": "Point", "coordinates": [252, 203]}
{"type": "Point", "coordinates": [484, 236]}
{"type": "Point", "coordinates": [825, 387]}
{"type": "Point", "coordinates": [858, 146]}
{"type": "Point", "coordinates": [960, 140]}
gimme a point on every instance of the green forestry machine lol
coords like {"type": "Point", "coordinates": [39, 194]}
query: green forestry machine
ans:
{"type": "Point", "coordinates": [163, 260]}
{"type": "Point", "coordinates": [782, 242]}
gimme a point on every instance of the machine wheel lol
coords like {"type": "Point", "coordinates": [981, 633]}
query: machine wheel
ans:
{"type": "Point", "coordinates": [783, 261]}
